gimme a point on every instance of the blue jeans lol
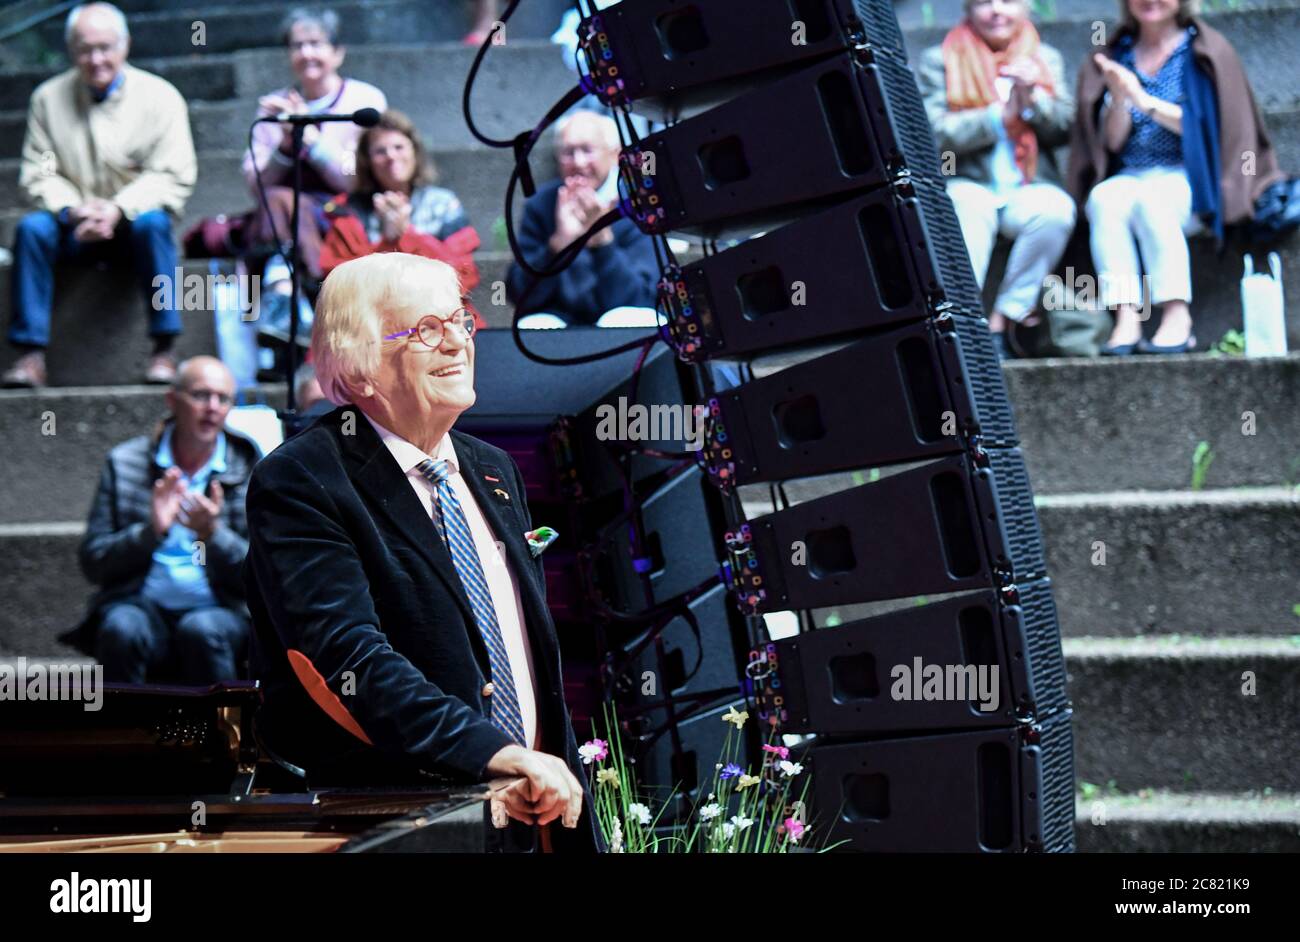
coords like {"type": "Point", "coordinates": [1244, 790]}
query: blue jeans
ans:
{"type": "Point", "coordinates": [41, 242]}
{"type": "Point", "coordinates": [138, 638]}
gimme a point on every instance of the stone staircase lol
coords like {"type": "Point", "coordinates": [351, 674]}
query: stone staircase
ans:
{"type": "Point", "coordinates": [1167, 595]}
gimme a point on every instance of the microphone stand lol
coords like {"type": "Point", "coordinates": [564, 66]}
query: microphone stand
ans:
{"type": "Point", "coordinates": [289, 417]}
{"type": "Point", "coordinates": [366, 117]}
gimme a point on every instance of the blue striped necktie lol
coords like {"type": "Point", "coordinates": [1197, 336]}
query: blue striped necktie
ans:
{"type": "Point", "coordinates": [503, 704]}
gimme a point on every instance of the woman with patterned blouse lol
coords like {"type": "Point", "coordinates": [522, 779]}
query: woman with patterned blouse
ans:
{"type": "Point", "coordinates": [1165, 116]}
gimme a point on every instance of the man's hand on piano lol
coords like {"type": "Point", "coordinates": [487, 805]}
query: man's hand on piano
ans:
{"type": "Point", "coordinates": [547, 790]}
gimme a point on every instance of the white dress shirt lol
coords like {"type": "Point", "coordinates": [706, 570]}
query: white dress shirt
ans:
{"type": "Point", "coordinates": [502, 584]}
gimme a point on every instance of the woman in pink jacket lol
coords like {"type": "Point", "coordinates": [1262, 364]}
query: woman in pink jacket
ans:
{"type": "Point", "coordinates": [328, 157]}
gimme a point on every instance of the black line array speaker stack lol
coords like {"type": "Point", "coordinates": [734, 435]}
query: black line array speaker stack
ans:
{"type": "Point", "coordinates": [795, 134]}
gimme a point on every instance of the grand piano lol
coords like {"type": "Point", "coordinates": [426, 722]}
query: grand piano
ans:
{"type": "Point", "coordinates": [161, 769]}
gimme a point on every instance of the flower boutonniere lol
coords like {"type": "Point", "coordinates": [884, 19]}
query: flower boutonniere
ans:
{"type": "Point", "coordinates": [539, 539]}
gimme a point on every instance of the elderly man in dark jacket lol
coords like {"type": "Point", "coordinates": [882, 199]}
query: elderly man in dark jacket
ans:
{"type": "Point", "coordinates": [166, 540]}
{"type": "Point", "coordinates": [400, 624]}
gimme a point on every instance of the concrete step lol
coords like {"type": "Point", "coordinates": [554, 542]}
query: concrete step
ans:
{"type": "Point", "coordinates": [168, 30]}
{"type": "Point", "coordinates": [1208, 563]}
{"type": "Point", "coordinates": [1215, 562]}
{"type": "Point", "coordinates": [43, 593]}
{"type": "Point", "coordinates": [100, 326]}
{"type": "Point", "coordinates": [212, 73]}
{"type": "Point", "coordinates": [198, 78]}
{"type": "Point", "coordinates": [1216, 285]}
{"type": "Point", "coordinates": [433, 99]}
{"type": "Point", "coordinates": [479, 178]}
{"type": "Point", "coordinates": [1112, 424]}
{"type": "Point", "coordinates": [533, 70]}
{"type": "Point", "coordinates": [1261, 37]}
{"type": "Point", "coordinates": [106, 311]}
{"type": "Point", "coordinates": [1162, 822]}
{"type": "Point", "coordinates": [1160, 712]}
{"type": "Point", "coordinates": [1177, 714]}
{"type": "Point", "coordinates": [59, 439]}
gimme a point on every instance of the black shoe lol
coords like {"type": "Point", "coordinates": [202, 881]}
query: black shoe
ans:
{"type": "Point", "coordinates": [1146, 346]}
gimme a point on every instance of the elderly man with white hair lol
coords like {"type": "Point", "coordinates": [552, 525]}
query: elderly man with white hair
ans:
{"type": "Point", "coordinates": [399, 613]}
{"type": "Point", "coordinates": [109, 163]}
{"type": "Point", "coordinates": [612, 281]}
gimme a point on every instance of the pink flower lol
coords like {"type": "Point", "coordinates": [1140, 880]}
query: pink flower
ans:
{"type": "Point", "coordinates": [596, 750]}
{"type": "Point", "coordinates": [781, 751]}
{"type": "Point", "coordinates": [795, 828]}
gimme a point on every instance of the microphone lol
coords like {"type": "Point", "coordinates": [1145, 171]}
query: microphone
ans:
{"type": "Point", "coordinates": [366, 117]}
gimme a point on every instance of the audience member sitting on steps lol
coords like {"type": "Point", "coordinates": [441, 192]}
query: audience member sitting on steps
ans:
{"type": "Point", "coordinates": [328, 159]}
{"type": "Point", "coordinates": [109, 163]}
{"type": "Point", "coordinates": [166, 539]}
{"type": "Point", "coordinates": [612, 281]}
{"type": "Point", "coordinates": [395, 207]}
{"type": "Point", "coordinates": [1166, 114]}
{"type": "Point", "coordinates": [998, 101]}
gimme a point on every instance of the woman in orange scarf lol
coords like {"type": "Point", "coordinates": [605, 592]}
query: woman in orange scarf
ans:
{"type": "Point", "coordinates": [998, 100]}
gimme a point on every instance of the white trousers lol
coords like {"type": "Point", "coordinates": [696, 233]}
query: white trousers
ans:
{"type": "Point", "coordinates": [1146, 211]}
{"type": "Point", "coordinates": [1039, 217]}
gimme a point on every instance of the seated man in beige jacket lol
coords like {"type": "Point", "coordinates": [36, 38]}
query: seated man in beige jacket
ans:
{"type": "Point", "coordinates": [108, 162]}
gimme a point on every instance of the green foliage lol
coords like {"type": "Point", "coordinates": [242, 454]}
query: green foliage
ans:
{"type": "Point", "coordinates": [1202, 457]}
{"type": "Point", "coordinates": [1293, 473]}
{"type": "Point", "coordinates": [1043, 9]}
{"type": "Point", "coordinates": [1233, 344]}
{"type": "Point", "coordinates": [1089, 790]}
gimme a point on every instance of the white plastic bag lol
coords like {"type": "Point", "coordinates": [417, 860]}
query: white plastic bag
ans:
{"type": "Point", "coordinates": [1262, 309]}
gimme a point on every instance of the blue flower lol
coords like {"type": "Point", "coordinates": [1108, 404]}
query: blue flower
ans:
{"type": "Point", "coordinates": [731, 770]}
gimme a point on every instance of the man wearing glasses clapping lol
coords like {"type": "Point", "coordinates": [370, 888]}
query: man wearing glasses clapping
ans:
{"type": "Point", "coordinates": [165, 542]}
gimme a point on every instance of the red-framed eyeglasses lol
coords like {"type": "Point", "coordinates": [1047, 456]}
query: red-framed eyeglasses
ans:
{"type": "Point", "coordinates": [431, 328]}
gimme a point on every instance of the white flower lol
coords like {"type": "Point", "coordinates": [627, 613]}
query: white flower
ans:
{"type": "Point", "coordinates": [709, 812]}
{"type": "Point", "coordinates": [791, 769]}
{"type": "Point", "coordinates": [728, 830]}
{"type": "Point", "coordinates": [639, 812]}
{"type": "Point", "coordinates": [735, 716]}
{"type": "Point", "coordinates": [616, 841]}
{"type": "Point", "coordinates": [741, 822]}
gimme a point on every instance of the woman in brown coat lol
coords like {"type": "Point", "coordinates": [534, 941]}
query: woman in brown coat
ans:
{"type": "Point", "coordinates": [1168, 141]}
